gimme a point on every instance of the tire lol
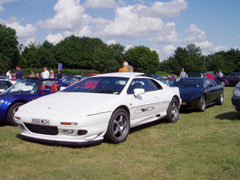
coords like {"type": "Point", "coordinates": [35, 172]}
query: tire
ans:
{"type": "Point", "coordinates": [172, 111]}
{"type": "Point", "coordinates": [220, 99]}
{"type": "Point", "coordinates": [201, 104]}
{"type": "Point", "coordinates": [118, 127]}
{"type": "Point", "coordinates": [11, 111]}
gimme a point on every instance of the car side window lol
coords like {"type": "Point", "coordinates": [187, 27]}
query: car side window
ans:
{"type": "Point", "coordinates": [52, 85]}
{"type": "Point", "coordinates": [139, 83]}
{"type": "Point", "coordinates": [207, 83]}
{"type": "Point", "coordinates": [213, 83]}
{"type": "Point", "coordinates": [154, 84]}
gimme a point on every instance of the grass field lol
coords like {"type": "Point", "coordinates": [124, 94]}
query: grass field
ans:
{"type": "Point", "coordinates": [199, 146]}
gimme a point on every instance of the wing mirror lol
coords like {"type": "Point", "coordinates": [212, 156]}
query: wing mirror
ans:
{"type": "Point", "coordinates": [139, 91]}
{"type": "Point", "coordinates": [62, 88]}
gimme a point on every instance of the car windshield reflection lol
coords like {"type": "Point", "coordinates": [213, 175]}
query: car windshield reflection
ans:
{"type": "Point", "coordinates": [104, 85]}
{"type": "Point", "coordinates": [186, 83]}
{"type": "Point", "coordinates": [24, 87]}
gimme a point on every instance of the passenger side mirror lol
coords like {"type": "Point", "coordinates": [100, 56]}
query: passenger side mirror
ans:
{"type": "Point", "coordinates": [138, 91]}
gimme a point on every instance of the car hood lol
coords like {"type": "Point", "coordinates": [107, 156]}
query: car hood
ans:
{"type": "Point", "coordinates": [190, 93]}
{"type": "Point", "coordinates": [71, 104]}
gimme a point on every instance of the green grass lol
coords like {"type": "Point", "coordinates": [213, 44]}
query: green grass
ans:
{"type": "Point", "coordinates": [199, 146]}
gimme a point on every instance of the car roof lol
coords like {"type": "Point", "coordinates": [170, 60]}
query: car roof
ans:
{"type": "Point", "coordinates": [121, 74]}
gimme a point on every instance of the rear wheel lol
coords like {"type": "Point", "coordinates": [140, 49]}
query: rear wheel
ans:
{"type": "Point", "coordinates": [220, 98]}
{"type": "Point", "coordinates": [201, 104]}
{"type": "Point", "coordinates": [118, 127]}
{"type": "Point", "coordinates": [172, 111]}
{"type": "Point", "coordinates": [11, 112]}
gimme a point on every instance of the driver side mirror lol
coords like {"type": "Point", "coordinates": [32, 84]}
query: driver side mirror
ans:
{"type": "Point", "coordinates": [138, 91]}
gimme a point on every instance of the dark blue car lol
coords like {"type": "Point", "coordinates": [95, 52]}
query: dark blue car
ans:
{"type": "Point", "coordinates": [23, 91]}
{"type": "Point", "coordinates": [199, 92]}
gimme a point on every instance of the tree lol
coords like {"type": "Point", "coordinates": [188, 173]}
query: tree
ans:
{"type": "Point", "coordinates": [190, 58]}
{"type": "Point", "coordinates": [9, 54]}
{"type": "Point", "coordinates": [142, 59]}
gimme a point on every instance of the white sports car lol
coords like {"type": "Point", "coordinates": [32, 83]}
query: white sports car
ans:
{"type": "Point", "coordinates": [100, 107]}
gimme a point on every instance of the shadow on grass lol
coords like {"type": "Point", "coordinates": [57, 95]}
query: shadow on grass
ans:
{"type": "Point", "coordinates": [229, 116]}
{"type": "Point", "coordinates": [144, 126]}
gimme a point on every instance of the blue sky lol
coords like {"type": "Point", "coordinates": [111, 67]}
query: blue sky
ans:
{"type": "Point", "coordinates": [162, 25]}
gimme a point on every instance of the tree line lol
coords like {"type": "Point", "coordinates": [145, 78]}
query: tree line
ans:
{"type": "Point", "coordinates": [92, 53]}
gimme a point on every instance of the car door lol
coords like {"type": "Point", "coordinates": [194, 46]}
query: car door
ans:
{"type": "Point", "coordinates": [145, 107]}
{"type": "Point", "coordinates": [210, 90]}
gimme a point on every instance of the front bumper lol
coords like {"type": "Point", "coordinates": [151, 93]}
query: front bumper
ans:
{"type": "Point", "coordinates": [51, 130]}
{"type": "Point", "coordinates": [57, 142]}
{"type": "Point", "coordinates": [94, 135]}
{"type": "Point", "coordinates": [186, 103]}
{"type": "Point", "coordinates": [236, 102]}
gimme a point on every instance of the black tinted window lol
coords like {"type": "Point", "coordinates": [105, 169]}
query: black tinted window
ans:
{"type": "Point", "coordinates": [154, 84]}
{"type": "Point", "coordinates": [139, 83]}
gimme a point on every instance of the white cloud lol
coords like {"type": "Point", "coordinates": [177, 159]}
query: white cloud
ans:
{"type": "Point", "coordinates": [220, 48]}
{"type": "Point", "coordinates": [169, 49]}
{"type": "Point", "coordinates": [129, 24]}
{"type": "Point", "coordinates": [204, 45]}
{"type": "Point", "coordinates": [25, 33]}
{"type": "Point", "coordinates": [194, 33]}
{"type": "Point", "coordinates": [167, 9]}
{"type": "Point", "coordinates": [127, 47]}
{"type": "Point", "coordinates": [69, 16]}
{"type": "Point", "coordinates": [166, 34]}
{"type": "Point", "coordinates": [99, 4]}
{"type": "Point", "coordinates": [54, 38]}
{"type": "Point", "coordinates": [2, 2]}
{"type": "Point", "coordinates": [111, 42]}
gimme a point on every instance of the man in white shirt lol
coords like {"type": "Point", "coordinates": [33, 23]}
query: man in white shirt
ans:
{"type": "Point", "coordinates": [45, 73]}
{"type": "Point", "coordinates": [183, 74]}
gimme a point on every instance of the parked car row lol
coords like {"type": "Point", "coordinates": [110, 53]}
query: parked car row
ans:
{"type": "Point", "coordinates": [103, 106]}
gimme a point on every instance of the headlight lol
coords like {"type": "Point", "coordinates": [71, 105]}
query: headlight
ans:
{"type": "Point", "coordinates": [236, 91]}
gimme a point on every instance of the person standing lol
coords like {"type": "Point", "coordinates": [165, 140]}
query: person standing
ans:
{"type": "Point", "coordinates": [124, 68]}
{"type": "Point", "coordinates": [19, 72]}
{"type": "Point", "coordinates": [45, 73]}
{"type": "Point", "coordinates": [52, 75]}
{"type": "Point", "coordinates": [183, 74]}
{"type": "Point", "coordinates": [220, 74]}
{"type": "Point", "coordinates": [9, 74]}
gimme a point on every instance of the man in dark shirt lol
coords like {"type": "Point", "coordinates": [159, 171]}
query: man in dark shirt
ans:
{"type": "Point", "coordinates": [18, 73]}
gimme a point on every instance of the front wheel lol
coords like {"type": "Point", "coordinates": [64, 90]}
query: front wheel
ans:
{"type": "Point", "coordinates": [220, 98]}
{"type": "Point", "coordinates": [201, 104]}
{"type": "Point", "coordinates": [172, 111]}
{"type": "Point", "coordinates": [118, 127]}
{"type": "Point", "coordinates": [11, 112]}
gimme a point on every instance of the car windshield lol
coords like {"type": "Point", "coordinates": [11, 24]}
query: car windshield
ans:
{"type": "Point", "coordinates": [24, 87]}
{"type": "Point", "coordinates": [105, 85]}
{"type": "Point", "coordinates": [187, 83]}
{"type": "Point", "coordinates": [238, 85]}
{"type": "Point", "coordinates": [69, 80]}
